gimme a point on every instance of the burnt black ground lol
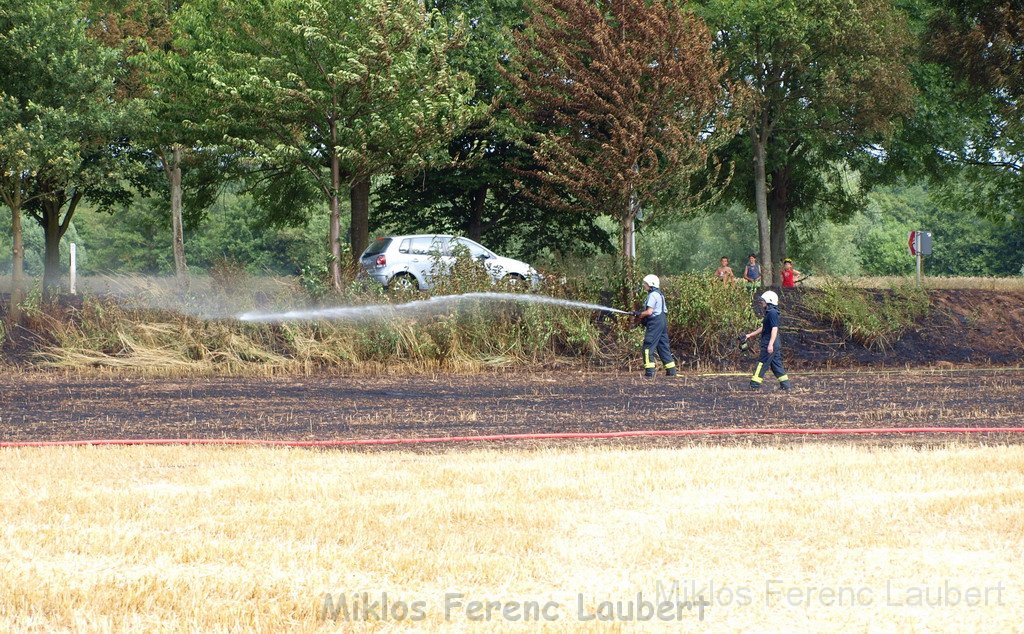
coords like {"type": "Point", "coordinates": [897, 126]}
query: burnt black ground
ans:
{"type": "Point", "coordinates": [46, 406]}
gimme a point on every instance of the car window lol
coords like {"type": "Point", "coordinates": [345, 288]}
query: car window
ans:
{"type": "Point", "coordinates": [404, 246]}
{"type": "Point", "coordinates": [475, 250]}
{"type": "Point", "coordinates": [420, 246]}
{"type": "Point", "coordinates": [440, 245]}
{"type": "Point", "coordinates": [376, 247]}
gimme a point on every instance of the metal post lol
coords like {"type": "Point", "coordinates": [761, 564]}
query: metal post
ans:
{"type": "Point", "coordinates": [74, 268]}
{"type": "Point", "coordinates": [919, 269]}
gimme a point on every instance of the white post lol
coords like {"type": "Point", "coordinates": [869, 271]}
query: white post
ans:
{"type": "Point", "coordinates": [74, 268]}
{"type": "Point", "coordinates": [632, 236]}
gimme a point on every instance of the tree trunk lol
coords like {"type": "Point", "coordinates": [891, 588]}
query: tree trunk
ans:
{"type": "Point", "coordinates": [475, 226]}
{"type": "Point", "coordinates": [17, 262]}
{"type": "Point", "coordinates": [54, 228]}
{"type": "Point", "coordinates": [51, 257]}
{"type": "Point", "coordinates": [360, 199]}
{"type": "Point", "coordinates": [335, 223]}
{"type": "Point", "coordinates": [627, 230]}
{"type": "Point", "coordinates": [761, 205]}
{"type": "Point", "coordinates": [778, 208]}
{"type": "Point", "coordinates": [173, 171]}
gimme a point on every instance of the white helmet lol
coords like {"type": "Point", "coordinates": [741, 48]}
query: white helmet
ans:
{"type": "Point", "coordinates": [652, 281]}
{"type": "Point", "coordinates": [769, 297]}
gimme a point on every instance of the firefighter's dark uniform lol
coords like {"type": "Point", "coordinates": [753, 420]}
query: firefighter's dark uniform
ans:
{"type": "Point", "coordinates": [656, 335]}
{"type": "Point", "coordinates": [773, 360]}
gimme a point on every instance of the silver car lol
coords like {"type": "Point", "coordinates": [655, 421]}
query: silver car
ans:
{"type": "Point", "coordinates": [410, 261]}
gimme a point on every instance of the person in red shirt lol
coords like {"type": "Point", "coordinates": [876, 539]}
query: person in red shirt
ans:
{"type": "Point", "coordinates": [790, 276]}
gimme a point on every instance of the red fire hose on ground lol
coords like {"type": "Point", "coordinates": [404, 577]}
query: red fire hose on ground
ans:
{"type": "Point", "coordinates": [363, 442]}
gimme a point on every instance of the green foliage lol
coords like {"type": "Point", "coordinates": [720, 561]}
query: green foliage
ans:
{"type": "Point", "coordinates": [316, 279]}
{"type": "Point", "coordinates": [327, 94]}
{"type": "Point", "coordinates": [875, 319]}
{"type": "Point", "coordinates": [882, 239]}
{"type": "Point", "coordinates": [705, 315]}
{"type": "Point", "coordinates": [873, 242]}
{"type": "Point", "coordinates": [696, 244]}
{"type": "Point", "coordinates": [137, 239]}
{"type": "Point", "coordinates": [91, 98]}
{"type": "Point", "coordinates": [479, 186]}
{"type": "Point", "coordinates": [826, 78]}
{"type": "Point", "coordinates": [63, 125]}
{"type": "Point", "coordinates": [963, 243]}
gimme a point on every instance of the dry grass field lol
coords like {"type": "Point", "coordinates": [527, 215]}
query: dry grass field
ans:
{"type": "Point", "coordinates": [1015, 283]}
{"type": "Point", "coordinates": [812, 537]}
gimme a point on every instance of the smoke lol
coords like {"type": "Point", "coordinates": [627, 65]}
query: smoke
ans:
{"type": "Point", "coordinates": [423, 306]}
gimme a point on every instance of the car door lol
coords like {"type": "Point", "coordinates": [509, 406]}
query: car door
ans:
{"type": "Point", "coordinates": [482, 254]}
{"type": "Point", "coordinates": [420, 262]}
{"type": "Point", "coordinates": [441, 260]}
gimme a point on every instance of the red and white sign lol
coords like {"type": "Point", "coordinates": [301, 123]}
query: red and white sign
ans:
{"type": "Point", "coordinates": [912, 242]}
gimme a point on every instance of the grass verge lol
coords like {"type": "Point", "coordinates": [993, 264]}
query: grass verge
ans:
{"type": "Point", "coordinates": [1015, 283]}
{"type": "Point", "coordinates": [158, 330]}
{"type": "Point", "coordinates": [222, 539]}
{"type": "Point", "coordinates": [875, 319]}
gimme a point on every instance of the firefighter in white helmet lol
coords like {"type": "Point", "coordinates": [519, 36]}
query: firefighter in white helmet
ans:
{"type": "Point", "coordinates": [771, 344]}
{"type": "Point", "coordinates": [654, 317]}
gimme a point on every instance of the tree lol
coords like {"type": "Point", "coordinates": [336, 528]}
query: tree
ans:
{"type": "Point", "coordinates": [61, 114]}
{"type": "Point", "coordinates": [476, 188]}
{"type": "Point", "coordinates": [18, 161]}
{"type": "Point", "coordinates": [332, 92]}
{"type": "Point", "coordinates": [629, 104]}
{"type": "Point", "coordinates": [982, 45]}
{"type": "Point", "coordinates": [827, 78]}
{"type": "Point", "coordinates": [164, 79]}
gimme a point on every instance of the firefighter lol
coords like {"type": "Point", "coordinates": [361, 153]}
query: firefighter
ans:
{"type": "Point", "coordinates": [771, 344]}
{"type": "Point", "coordinates": [654, 317]}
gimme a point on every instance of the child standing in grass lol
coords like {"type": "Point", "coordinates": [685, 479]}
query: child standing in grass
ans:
{"type": "Point", "coordinates": [752, 271]}
{"type": "Point", "coordinates": [724, 271]}
{"type": "Point", "coordinates": [790, 276]}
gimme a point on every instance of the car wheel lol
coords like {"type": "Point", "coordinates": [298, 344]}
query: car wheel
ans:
{"type": "Point", "coordinates": [515, 281]}
{"type": "Point", "coordinates": [403, 282]}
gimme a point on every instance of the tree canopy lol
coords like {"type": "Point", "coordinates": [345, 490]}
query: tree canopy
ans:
{"type": "Point", "coordinates": [623, 103]}
{"type": "Point", "coordinates": [827, 78]}
{"type": "Point", "coordinates": [63, 127]}
{"type": "Point", "coordinates": [545, 128]}
{"type": "Point", "coordinates": [331, 92]}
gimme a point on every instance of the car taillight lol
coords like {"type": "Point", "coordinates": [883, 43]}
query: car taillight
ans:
{"type": "Point", "coordinates": [381, 260]}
